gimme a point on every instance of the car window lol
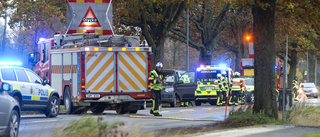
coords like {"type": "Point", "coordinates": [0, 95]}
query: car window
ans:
{"type": "Point", "coordinates": [308, 85]}
{"type": "Point", "coordinates": [22, 76]}
{"type": "Point", "coordinates": [8, 74]}
{"type": "Point", "coordinates": [169, 79]}
{"type": "Point", "coordinates": [33, 77]}
{"type": "Point", "coordinates": [249, 82]}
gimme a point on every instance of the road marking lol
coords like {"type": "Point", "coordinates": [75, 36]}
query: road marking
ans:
{"type": "Point", "coordinates": [174, 118]}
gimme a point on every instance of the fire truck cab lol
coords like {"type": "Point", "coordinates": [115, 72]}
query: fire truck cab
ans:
{"type": "Point", "coordinates": [96, 72]}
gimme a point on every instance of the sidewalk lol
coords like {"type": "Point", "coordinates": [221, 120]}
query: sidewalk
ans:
{"type": "Point", "coordinates": [265, 131]}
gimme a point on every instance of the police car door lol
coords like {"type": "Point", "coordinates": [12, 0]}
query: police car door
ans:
{"type": "Point", "coordinates": [40, 92]}
{"type": "Point", "coordinates": [23, 85]}
{"type": "Point", "coordinates": [186, 90]}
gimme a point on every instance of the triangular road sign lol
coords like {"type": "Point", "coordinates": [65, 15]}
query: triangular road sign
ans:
{"type": "Point", "coordinates": [89, 19]}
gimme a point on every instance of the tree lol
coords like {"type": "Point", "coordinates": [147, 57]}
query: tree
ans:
{"type": "Point", "coordinates": [155, 18]}
{"type": "Point", "coordinates": [36, 17]}
{"type": "Point", "coordinates": [264, 60]}
{"type": "Point", "coordinates": [208, 19]}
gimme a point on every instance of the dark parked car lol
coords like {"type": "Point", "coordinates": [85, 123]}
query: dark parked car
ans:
{"type": "Point", "coordinates": [175, 90]}
{"type": "Point", "coordinates": [9, 113]}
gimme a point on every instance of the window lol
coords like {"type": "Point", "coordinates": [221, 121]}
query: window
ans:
{"type": "Point", "coordinates": [22, 76]}
{"type": "Point", "coordinates": [34, 77]}
{"type": "Point", "coordinates": [8, 74]}
{"type": "Point", "coordinates": [46, 52]}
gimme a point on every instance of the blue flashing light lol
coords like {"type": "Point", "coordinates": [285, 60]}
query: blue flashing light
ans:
{"type": "Point", "coordinates": [42, 39]}
{"type": "Point", "coordinates": [276, 67]}
{"type": "Point", "coordinates": [130, 44]}
{"type": "Point", "coordinates": [10, 63]}
{"type": "Point", "coordinates": [222, 65]}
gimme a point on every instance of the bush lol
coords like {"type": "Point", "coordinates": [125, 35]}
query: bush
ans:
{"type": "Point", "coordinates": [244, 117]}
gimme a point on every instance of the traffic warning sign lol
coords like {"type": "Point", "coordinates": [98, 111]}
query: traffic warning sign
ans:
{"type": "Point", "coordinates": [89, 19]}
{"type": "Point", "coordinates": [302, 96]}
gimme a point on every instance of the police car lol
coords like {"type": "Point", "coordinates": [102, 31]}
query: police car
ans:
{"type": "Point", "coordinates": [32, 93]}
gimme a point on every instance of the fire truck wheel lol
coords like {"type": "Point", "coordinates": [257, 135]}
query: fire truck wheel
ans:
{"type": "Point", "coordinates": [97, 110]}
{"type": "Point", "coordinates": [120, 110]}
{"type": "Point", "coordinates": [198, 103]}
{"type": "Point", "coordinates": [53, 107]}
{"type": "Point", "coordinates": [133, 111]}
{"type": "Point", "coordinates": [67, 101]}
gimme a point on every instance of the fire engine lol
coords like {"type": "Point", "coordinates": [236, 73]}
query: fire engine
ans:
{"type": "Point", "coordinates": [96, 72]}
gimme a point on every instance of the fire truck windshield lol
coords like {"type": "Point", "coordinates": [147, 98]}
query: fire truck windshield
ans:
{"type": "Point", "coordinates": [207, 75]}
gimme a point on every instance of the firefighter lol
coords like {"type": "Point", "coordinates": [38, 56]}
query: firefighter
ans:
{"type": "Point", "coordinates": [219, 89]}
{"type": "Point", "coordinates": [225, 87]}
{"type": "Point", "coordinates": [236, 86]}
{"type": "Point", "coordinates": [185, 78]}
{"type": "Point", "coordinates": [295, 86]}
{"type": "Point", "coordinates": [156, 83]}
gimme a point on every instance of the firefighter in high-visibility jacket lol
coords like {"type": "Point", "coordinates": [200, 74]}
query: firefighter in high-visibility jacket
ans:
{"type": "Point", "coordinates": [236, 86]}
{"type": "Point", "coordinates": [225, 87]}
{"type": "Point", "coordinates": [156, 83]}
{"type": "Point", "coordinates": [185, 78]}
{"type": "Point", "coordinates": [219, 88]}
{"type": "Point", "coordinates": [295, 86]}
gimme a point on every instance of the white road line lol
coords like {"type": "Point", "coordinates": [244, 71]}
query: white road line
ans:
{"type": "Point", "coordinates": [44, 121]}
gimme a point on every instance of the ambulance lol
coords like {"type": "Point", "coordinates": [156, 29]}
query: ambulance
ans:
{"type": "Point", "coordinates": [206, 88]}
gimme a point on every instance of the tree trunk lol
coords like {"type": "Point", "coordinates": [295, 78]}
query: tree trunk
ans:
{"type": "Point", "coordinates": [264, 59]}
{"type": "Point", "coordinates": [293, 65]}
{"type": "Point", "coordinates": [205, 57]}
{"type": "Point", "coordinates": [158, 52]}
{"type": "Point", "coordinates": [311, 72]}
{"type": "Point", "coordinates": [238, 59]}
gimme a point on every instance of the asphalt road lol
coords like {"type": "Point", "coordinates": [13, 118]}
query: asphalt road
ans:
{"type": "Point", "coordinates": [40, 126]}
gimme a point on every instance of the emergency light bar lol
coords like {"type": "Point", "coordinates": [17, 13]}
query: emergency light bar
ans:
{"type": "Point", "coordinates": [10, 63]}
{"type": "Point", "coordinates": [116, 49]}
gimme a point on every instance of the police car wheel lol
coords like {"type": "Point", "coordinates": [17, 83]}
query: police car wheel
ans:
{"type": "Point", "coordinates": [13, 125]}
{"type": "Point", "coordinates": [53, 107]}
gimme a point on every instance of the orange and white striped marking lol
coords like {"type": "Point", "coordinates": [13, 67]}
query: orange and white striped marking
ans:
{"type": "Point", "coordinates": [132, 71]}
{"type": "Point", "coordinates": [100, 71]}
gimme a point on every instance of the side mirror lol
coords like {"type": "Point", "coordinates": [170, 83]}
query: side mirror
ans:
{"type": "Point", "coordinates": [31, 58]}
{"type": "Point", "coordinates": [5, 87]}
{"type": "Point", "coordinates": [45, 81]}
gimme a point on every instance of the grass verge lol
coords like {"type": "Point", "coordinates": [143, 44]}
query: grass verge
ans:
{"type": "Point", "coordinates": [302, 114]}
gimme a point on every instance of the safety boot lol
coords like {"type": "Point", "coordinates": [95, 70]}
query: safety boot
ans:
{"type": "Point", "coordinates": [151, 112]}
{"type": "Point", "coordinates": [157, 114]}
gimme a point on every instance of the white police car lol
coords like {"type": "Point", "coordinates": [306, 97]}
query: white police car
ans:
{"type": "Point", "coordinates": [32, 93]}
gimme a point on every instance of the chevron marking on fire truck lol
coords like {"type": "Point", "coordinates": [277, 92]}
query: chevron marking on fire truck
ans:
{"type": "Point", "coordinates": [132, 71]}
{"type": "Point", "coordinates": [100, 71]}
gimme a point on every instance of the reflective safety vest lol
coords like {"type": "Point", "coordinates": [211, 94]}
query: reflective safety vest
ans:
{"type": "Point", "coordinates": [218, 84]}
{"type": "Point", "coordinates": [185, 79]}
{"type": "Point", "coordinates": [223, 83]}
{"type": "Point", "coordinates": [153, 79]}
{"type": "Point", "coordinates": [236, 84]}
{"type": "Point", "coordinates": [295, 84]}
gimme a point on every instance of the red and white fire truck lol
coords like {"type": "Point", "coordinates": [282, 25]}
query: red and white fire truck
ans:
{"type": "Point", "coordinates": [96, 72]}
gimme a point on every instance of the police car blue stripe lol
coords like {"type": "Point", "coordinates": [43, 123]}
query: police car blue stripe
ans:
{"type": "Point", "coordinates": [26, 97]}
{"type": "Point", "coordinates": [43, 98]}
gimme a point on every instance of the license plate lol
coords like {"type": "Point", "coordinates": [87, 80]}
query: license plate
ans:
{"type": "Point", "coordinates": [209, 87]}
{"type": "Point", "coordinates": [92, 95]}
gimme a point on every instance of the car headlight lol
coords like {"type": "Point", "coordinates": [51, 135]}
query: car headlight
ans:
{"type": "Point", "coordinates": [315, 91]}
{"type": "Point", "coordinates": [168, 91]}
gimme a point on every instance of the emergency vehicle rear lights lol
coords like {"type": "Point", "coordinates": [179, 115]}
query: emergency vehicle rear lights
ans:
{"type": "Point", "coordinates": [86, 49]}
{"type": "Point", "coordinates": [109, 49]}
{"type": "Point", "coordinates": [96, 49]}
{"type": "Point", "coordinates": [137, 49]}
{"type": "Point", "coordinates": [83, 87]}
{"type": "Point", "coordinates": [123, 49]}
